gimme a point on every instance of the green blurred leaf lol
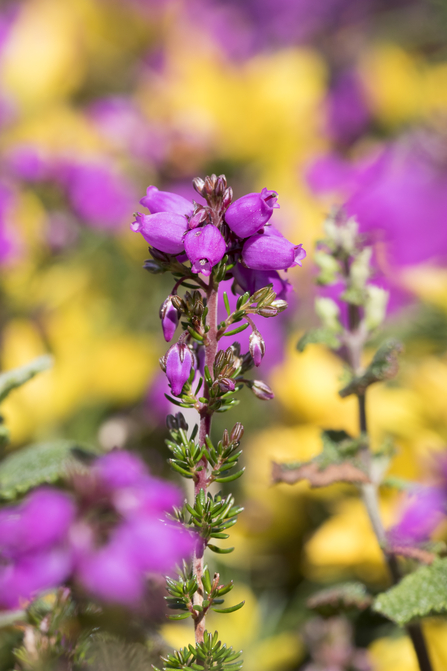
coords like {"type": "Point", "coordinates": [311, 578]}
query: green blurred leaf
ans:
{"type": "Point", "coordinates": [40, 463]}
{"type": "Point", "coordinates": [18, 376]}
{"type": "Point", "coordinates": [340, 598]}
{"type": "Point", "coordinates": [231, 609]}
{"type": "Point", "coordinates": [418, 595]}
{"type": "Point", "coordinates": [319, 336]}
{"type": "Point", "coordinates": [384, 366]}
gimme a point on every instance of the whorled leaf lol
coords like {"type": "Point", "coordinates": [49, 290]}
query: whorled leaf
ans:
{"type": "Point", "coordinates": [340, 598]}
{"type": "Point", "coordinates": [418, 595]}
{"type": "Point", "coordinates": [41, 463]}
{"type": "Point", "coordinates": [384, 366]}
{"type": "Point", "coordinates": [338, 462]}
{"type": "Point", "coordinates": [12, 379]}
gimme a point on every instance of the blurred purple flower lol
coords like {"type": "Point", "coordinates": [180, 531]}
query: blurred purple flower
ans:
{"type": "Point", "coordinates": [422, 513]}
{"type": "Point", "coordinates": [347, 113]}
{"type": "Point", "coordinates": [119, 468]}
{"type": "Point", "coordinates": [98, 193]}
{"type": "Point", "coordinates": [123, 125]}
{"type": "Point", "coordinates": [169, 319]}
{"type": "Point", "coordinates": [8, 243]}
{"type": "Point", "coordinates": [27, 163]}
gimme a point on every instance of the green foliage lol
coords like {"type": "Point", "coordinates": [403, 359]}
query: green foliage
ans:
{"type": "Point", "coordinates": [118, 656]}
{"type": "Point", "coordinates": [210, 655]}
{"type": "Point", "coordinates": [340, 598]}
{"type": "Point", "coordinates": [182, 591]}
{"type": "Point", "coordinates": [40, 463]}
{"type": "Point", "coordinates": [384, 366]}
{"type": "Point", "coordinates": [319, 336]}
{"type": "Point", "coordinates": [418, 595]}
{"type": "Point", "coordinates": [13, 379]}
{"type": "Point", "coordinates": [337, 462]}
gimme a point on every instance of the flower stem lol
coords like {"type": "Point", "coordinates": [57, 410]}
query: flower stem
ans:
{"type": "Point", "coordinates": [204, 430]}
{"type": "Point", "coordinates": [370, 494]}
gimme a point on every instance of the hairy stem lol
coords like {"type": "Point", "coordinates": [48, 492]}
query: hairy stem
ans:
{"type": "Point", "coordinates": [370, 495]}
{"type": "Point", "coordinates": [204, 430]}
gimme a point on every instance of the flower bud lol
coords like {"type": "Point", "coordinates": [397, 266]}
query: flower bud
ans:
{"type": "Point", "coordinates": [261, 390]}
{"type": "Point", "coordinates": [221, 185]}
{"type": "Point", "coordinates": [227, 197]}
{"type": "Point", "coordinates": [375, 306]}
{"type": "Point", "coordinates": [267, 311]}
{"type": "Point", "coordinates": [178, 367]}
{"type": "Point", "coordinates": [163, 230]}
{"type": "Point", "coordinates": [198, 218]}
{"type": "Point", "coordinates": [199, 185]}
{"type": "Point", "coordinates": [169, 318]}
{"type": "Point", "coordinates": [280, 305]}
{"type": "Point", "coordinates": [205, 247]}
{"type": "Point", "coordinates": [236, 433]}
{"type": "Point", "coordinates": [164, 201]}
{"type": "Point", "coordinates": [226, 384]}
{"type": "Point", "coordinates": [271, 251]}
{"type": "Point", "coordinates": [247, 215]}
{"type": "Point", "coordinates": [257, 347]}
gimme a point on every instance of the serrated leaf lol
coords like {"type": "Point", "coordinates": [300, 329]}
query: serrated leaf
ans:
{"type": "Point", "coordinates": [12, 379]}
{"type": "Point", "coordinates": [384, 366]}
{"type": "Point", "coordinates": [418, 595]}
{"type": "Point", "coordinates": [38, 464]}
{"type": "Point", "coordinates": [319, 336]}
{"type": "Point", "coordinates": [340, 598]}
{"type": "Point", "coordinates": [337, 462]}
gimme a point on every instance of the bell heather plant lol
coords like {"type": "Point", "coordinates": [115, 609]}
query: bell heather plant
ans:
{"type": "Point", "coordinates": [352, 309]}
{"type": "Point", "coordinates": [201, 246]}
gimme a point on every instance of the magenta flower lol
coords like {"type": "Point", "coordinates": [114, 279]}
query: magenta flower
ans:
{"type": "Point", "coordinates": [164, 201]}
{"type": "Point", "coordinates": [423, 512]}
{"type": "Point", "coordinates": [178, 366]}
{"type": "Point", "coordinates": [257, 347]}
{"type": "Point", "coordinates": [271, 251]}
{"type": "Point", "coordinates": [169, 319]}
{"type": "Point", "coordinates": [118, 469]}
{"type": "Point", "coordinates": [163, 230]}
{"type": "Point", "coordinates": [205, 247]}
{"type": "Point", "coordinates": [249, 214]}
{"type": "Point", "coordinates": [346, 108]}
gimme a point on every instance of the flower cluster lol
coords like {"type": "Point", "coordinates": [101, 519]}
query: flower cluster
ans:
{"type": "Point", "coordinates": [107, 537]}
{"type": "Point", "coordinates": [219, 240]}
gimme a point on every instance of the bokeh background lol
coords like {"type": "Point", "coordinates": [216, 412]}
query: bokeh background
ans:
{"type": "Point", "coordinates": [325, 101]}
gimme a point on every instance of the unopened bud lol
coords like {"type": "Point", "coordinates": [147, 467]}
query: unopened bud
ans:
{"type": "Point", "coordinates": [261, 294]}
{"type": "Point", "coordinates": [198, 218]}
{"type": "Point", "coordinates": [199, 185]}
{"type": "Point", "coordinates": [257, 347]}
{"type": "Point", "coordinates": [227, 197]}
{"type": "Point", "coordinates": [226, 384]}
{"type": "Point", "coordinates": [267, 311]}
{"type": "Point", "coordinates": [153, 266]}
{"type": "Point", "coordinates": [225, 438]}
{"type": "Point", "coordinates": [178, 303]}
{"type": "Point", "coordinates": [236, 433]}
{"type": "Point", "coordinates": [221, 185]}
{"type": "Point", "coordinates": [279, 304]}
{"type": "Point", "coordinates": [179, 361]}
{"type": "Point", "coordinates": [162, 362]}
{"type": "Point", "coordinates": [262, 390]}
{"type": "Point", "coordinates": [175, 422]}
{"type": "Point", "coordinates": [169, 318]}
{"type": "Point", "coordinates": [375, 306]}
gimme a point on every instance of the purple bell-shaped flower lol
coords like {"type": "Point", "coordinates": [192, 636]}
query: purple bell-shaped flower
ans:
{"type": "Point", "coordinates": [205, 247]}
{"type": "Point", "coordinates": [169, 319]}
{"type": "Point", "coordinates": [257, 347]}
{"type": "Point", "coordinates": [163, 230]}
{"type": "Point", "coordinates": [178, 362]}
{"type": "Point", "coordinates": [247, 215]}
{"type": "Point", "coordinates": [165, 201]}
{"type": "Point", "coordinates": [271, 251]}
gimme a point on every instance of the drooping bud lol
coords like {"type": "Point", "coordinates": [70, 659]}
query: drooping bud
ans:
{"type": "Point", "coordinates": [261, 390]}
{"type": "Point", "coordinates": [163, 230]}
{"type": "Point", "coordinates": [257, 347]}
{"type": "Point", "coordinates": [271, 251]}
{"type": "Point", "coordinates": [247, 215]}
{"type": "Point", "coordinates": [169, 318]}
{"type": "Point", "coordinates": [178, 366]}
{"type": "Point", "coordinates": [164, 201]}
{"type": "Point", "coordinates": [205, 247]}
